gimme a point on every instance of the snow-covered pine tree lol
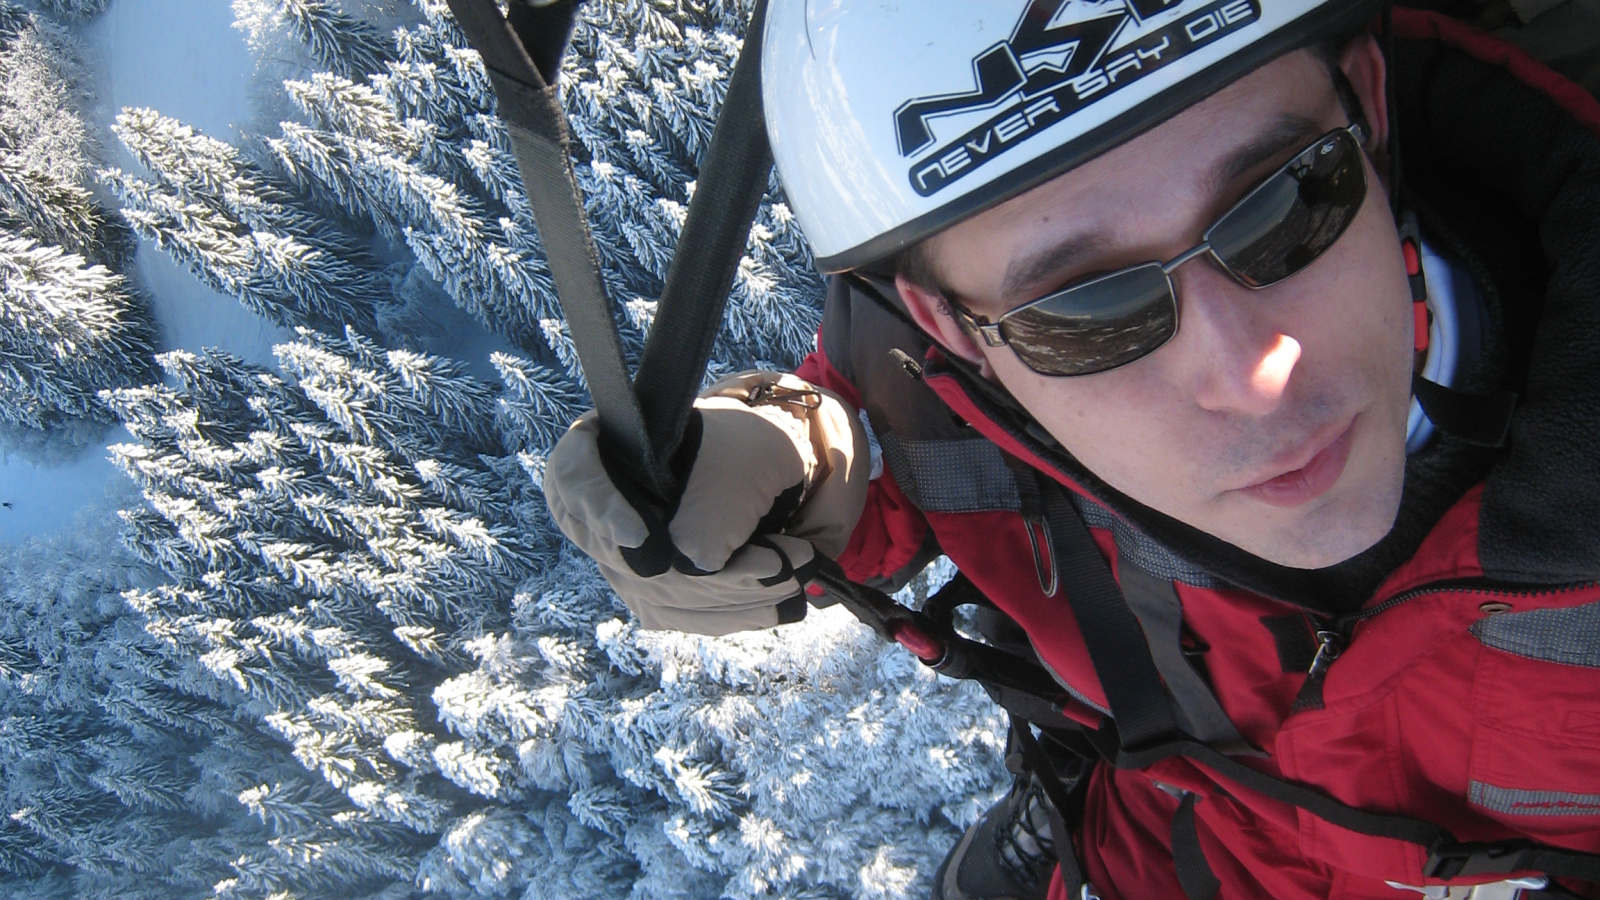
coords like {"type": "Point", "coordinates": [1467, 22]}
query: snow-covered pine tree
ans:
{"type": "Point", "coordinates": [115, 781]}
{"type": "Point", "coordinates": [334, 544]}
{"type": "Point", "coordinates": [359, 561]}
{"type": "Point", "coordinates": [322, 34]}
{"type": "Point", "coordinates": [71, 325]}
{"type": "Point", "coordinates": [338, 42]}
{"type": "Point", "coordinates": [73, 12]}
{"type": "Point", "coordinates": [46, 149]}
{"type": "Point", "coordinates": [67, 331]}
{"type": "Point", "coordinates": [643, 86]}
{"type": "Point", "coordinates": [212, 208]}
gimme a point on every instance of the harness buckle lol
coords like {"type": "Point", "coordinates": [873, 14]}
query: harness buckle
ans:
{"type": "Point", "coordinates": [770, 392]}
{"type": "Point", "coordinates": [1454, 860]}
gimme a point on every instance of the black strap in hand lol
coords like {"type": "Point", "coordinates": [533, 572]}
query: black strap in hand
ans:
{"type": "Point", "coordinates": [530, 106]}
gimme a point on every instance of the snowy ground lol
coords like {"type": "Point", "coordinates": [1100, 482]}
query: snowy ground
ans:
{"type": "Point", "coordinates": [184, 58]}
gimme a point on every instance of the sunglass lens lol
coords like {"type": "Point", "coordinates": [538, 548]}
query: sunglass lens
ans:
{"type": "Point", "coordinates": [1295, 216]}
{"type": "Point", "coordinates": [1097, 325]}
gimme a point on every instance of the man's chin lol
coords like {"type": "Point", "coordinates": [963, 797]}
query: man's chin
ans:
{"type": "Point", "coordinates": [1323, 538]}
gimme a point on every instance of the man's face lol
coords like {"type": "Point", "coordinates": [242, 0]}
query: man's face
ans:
{"type": "Point", "coordinates": [1274, 419]}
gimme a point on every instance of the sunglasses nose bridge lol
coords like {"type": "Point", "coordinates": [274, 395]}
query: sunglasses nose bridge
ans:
{"type": "Point", "coordinates": [1200, 249]}
{"type": "Point", "coordinates": [1204, 248]}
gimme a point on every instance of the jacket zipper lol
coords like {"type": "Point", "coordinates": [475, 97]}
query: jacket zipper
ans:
{"type": "Point", "coordinates": [1329, 645]}
{"type": "Point", "coordinates": [1346, 623]}
{"type": "Point", "coordinates": [1333, 635]}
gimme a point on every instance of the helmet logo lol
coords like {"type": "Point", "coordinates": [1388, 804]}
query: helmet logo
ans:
{"type": "Point", "coordinates": [1062, 56]}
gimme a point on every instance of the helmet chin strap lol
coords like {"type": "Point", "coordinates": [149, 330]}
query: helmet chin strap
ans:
{"type": "Point", "coordinates": [1483, 419]}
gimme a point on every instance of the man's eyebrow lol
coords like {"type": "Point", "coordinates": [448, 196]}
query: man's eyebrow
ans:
{"type": "Point", "coordinates": [1026, 271]}
{"type": "Point", "coordinates": [1285, 133]}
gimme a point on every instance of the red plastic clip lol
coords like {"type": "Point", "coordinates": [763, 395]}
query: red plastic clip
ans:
{"type": "Point", "coordinates": [815, 589]}
{"type": "Point", "coordinates": [926, 647]}
{"type": "Point", "coordinates": [1413, 259]}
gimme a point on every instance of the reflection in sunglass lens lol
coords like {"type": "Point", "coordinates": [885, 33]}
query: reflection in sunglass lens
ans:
{"type": "Point", "coordinates": [1295, 216]}
{"type": "Point", "coordinates": [1097, 325]}
{"type": "Point", "coordinates": [1279, 228]}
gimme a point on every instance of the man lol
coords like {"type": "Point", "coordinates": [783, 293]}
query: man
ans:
{"type": "Point", "coordinates": [1137, 265]}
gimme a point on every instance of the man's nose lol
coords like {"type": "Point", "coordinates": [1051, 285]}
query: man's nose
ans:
{"type": "Point", "coordinates": [1236, 359]}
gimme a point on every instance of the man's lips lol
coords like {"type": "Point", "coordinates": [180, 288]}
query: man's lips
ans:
{"type": "Point", "coordinates": [1310, 479]}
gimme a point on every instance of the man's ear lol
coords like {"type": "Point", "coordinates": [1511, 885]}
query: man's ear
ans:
{"type": "Point", "coordinates": [933, 315]}
{"type": "Point", "coordinates": [1363, 63]}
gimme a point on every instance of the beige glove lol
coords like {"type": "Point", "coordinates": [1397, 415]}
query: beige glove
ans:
{"type": "Point", "coordinates": [780, 473]}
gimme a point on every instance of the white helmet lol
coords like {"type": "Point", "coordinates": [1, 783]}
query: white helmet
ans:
{"type": "Point", "coordinates": [890, 121]}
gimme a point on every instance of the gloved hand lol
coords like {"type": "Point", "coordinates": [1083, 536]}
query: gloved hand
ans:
{"type": "Point", "coordinates": [778, 472]}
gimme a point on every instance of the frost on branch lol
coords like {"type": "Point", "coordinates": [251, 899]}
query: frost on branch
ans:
{"type": "Point", "coordinates": [362, 660]}
{"type": "Point", "coordinates": [70, 326]}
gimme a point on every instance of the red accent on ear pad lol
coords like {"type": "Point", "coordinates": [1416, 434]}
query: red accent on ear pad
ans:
{"type": "Point", "coordinates": [1413, 259]}
{"type": "Point", "coordinates": [1419, 312]}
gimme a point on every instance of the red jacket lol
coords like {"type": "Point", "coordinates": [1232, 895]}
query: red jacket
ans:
{"type": "Point", "coordinates": [1469, 694]}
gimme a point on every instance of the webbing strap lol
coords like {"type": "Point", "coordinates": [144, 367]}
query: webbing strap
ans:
{"type": "Point", "coordinates": [727, 193]}
{"type": "Point", "coordinates": [1535, 858]}
{"type": "Point", "coordinates": [1160, 611]}
{"type": "Point", "coordinates": [1194, 873]}
{"type": "Point", "coordinates": [1447, 857]}
{"type": "Point", "coordinates": [537, 125]}
{"type": "Point", "coordinates": [543, 29]}
{"type": "Point", "coordinates": [1026, 705]}
{"type": "Point", "coordinates": [1116, 643]}
{"type": "Point", "coordinates": [1318, 804]}
{"type": "Point", "coordinates": [1483, 420]}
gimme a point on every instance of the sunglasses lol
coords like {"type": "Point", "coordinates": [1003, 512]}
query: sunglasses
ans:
{"type": "Point", "coordinates": [1283, 225]}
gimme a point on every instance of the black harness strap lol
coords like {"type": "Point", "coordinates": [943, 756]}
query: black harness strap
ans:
{"type": "Point", "coordinates": [1055, 791]}
{"type": "Point", "coordinates": [727, 194]}
{"type": "Point", "coordinates": [1117, 644]}
{"type": "Point", "coordinates": [530, 105]}
{"type": "Point", "coordinates": [543, 31]}
{"type": "Point", "coordinates": [1194, 873]}
{"type": "Point", "coordinates": [1447, 856]}
{"type": "Point", "coordinates": [1133, 633]}
{"type": "Point", "coordinates": [1156, 604]}
{"type": "Point", "coordinates": [642, 419]}
{"type": "Point", "coordinates": [1483, 420]}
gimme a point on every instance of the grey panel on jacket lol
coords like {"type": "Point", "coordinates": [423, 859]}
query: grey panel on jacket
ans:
{"type": "Point", "coordinates": [1144, 551]}
{"type": "Point", "coordinates": [953, 475]}
{"type": "Point", "coordinates": [1569, 636]}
